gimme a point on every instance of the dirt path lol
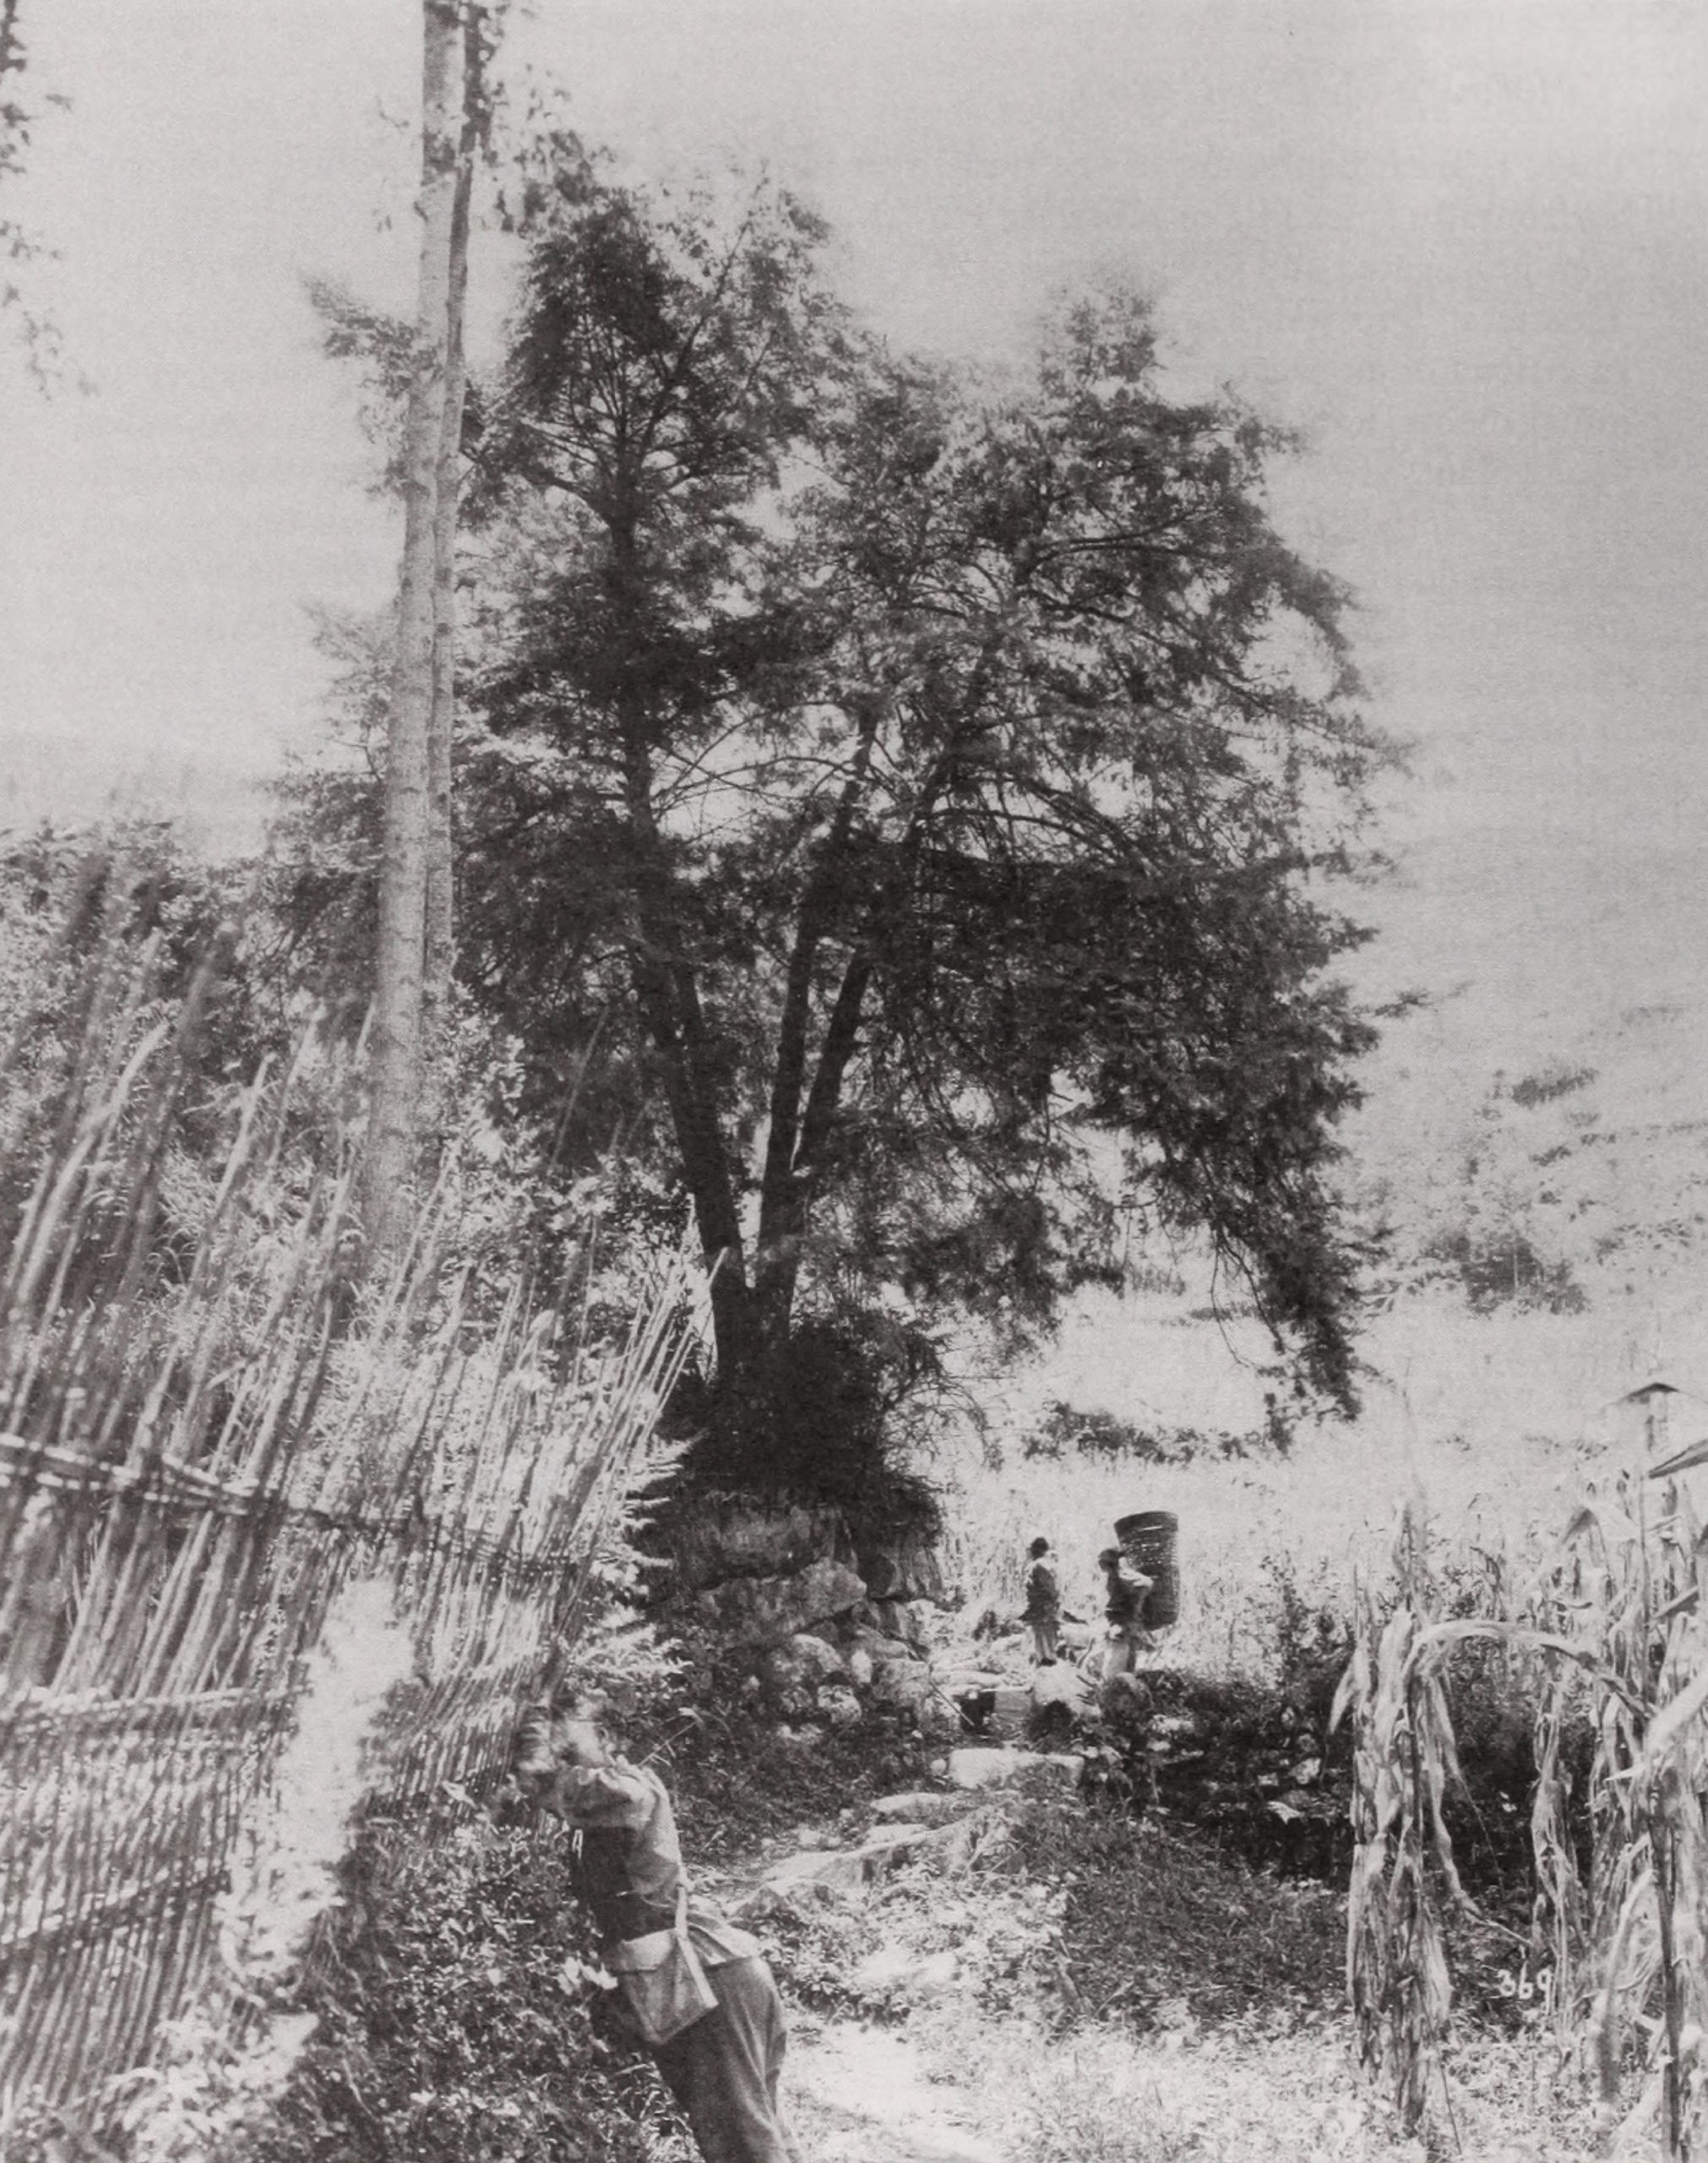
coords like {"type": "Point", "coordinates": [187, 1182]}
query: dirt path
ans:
{"type": "Point", "coordinates": [860, 2094]}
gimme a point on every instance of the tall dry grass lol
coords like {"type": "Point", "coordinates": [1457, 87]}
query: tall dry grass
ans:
{"type": "Point", "coordinates": [1610, 1631]}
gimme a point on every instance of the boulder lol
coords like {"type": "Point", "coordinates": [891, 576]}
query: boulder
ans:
{"type": "Point", "coordinates": [860, 1669]}
{"type": "Point", "coordinates": [771, 1610]}
{"type": "Point", "coordinates": [893, 1968]}
{"type": "Point", "coordinates": [905, 1682]}
{"type": "Point", "coordinates": [732, 1536]}
{"type": "Point", "coordinates": [977, 1770]}
{"type": "Point", "coordinates": [894, 1843]}
{"type": "Point", "coordinates": [819, 1659]}
{"type": "Point", "coordinates": [904, 1569]}
{"type": "Point", "coordinates": [1061, 1683]}
{"type": "Point", "coordinates": [857, 1635]}
{"type": "Point", "coordinates": [835, 1869]}
{"type": "Point", "coordinates": [923, 1807]}
{"type": "Point", "coordinates": [839, 1705]}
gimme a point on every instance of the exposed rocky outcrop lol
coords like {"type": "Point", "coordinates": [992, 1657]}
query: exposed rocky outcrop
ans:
{"type": "Point", "coordinates": [765, 1611]}
{"type": "Point", "coordinates": [726, 1536]}
{"type": "Point", "coordinates": [810, 1638]}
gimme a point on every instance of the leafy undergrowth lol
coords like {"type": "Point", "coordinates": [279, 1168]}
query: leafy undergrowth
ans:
{"type": "Point", "coordinates": [739, 1788]}
{"type": "Point", "coordinates": [444, 2033]}
{"type": "Point", "coordinates": [1072, 1914]}
{"type": "Point", "coordinates": [1099, 1989]}
{"type": "Point", "coordinates": [1096, 1988]}
{"type": "Point", "coordinates": [1157, 1914]}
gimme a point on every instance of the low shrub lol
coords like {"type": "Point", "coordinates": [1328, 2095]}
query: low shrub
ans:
{"type": "Point", "coordinates": [739, 1784]}
{"type": "Point", "coordinates": [1155, 1914]}
{"type": "Point", "coordinates": [451, 2027]}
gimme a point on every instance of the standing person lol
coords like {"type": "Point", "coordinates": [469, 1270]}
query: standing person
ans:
{"type": "Point", "coordinates": [695, 1990]}
{"type": "Point", "coordinates": [1125, 1590]}
{"type": "Point", "coordinates": [1042, 1612]}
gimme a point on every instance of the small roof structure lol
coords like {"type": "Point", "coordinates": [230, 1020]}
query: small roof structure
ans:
{"type": "Point", "coordinates": [1652, 1414]}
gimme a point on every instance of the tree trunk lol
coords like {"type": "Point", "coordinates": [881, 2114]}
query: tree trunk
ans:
{"type": "Point", "coordinates": [669, 999]}
{"type": "Point", "coordinates": [440, 908]}
{"type": "Point", "coordinates": [790, 1174]}
{"type": "Point", "coordinates": [395, 1118]}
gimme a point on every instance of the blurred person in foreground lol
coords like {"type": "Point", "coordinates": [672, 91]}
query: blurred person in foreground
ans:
{"type": "Point", "coordinates": [693, 1989]}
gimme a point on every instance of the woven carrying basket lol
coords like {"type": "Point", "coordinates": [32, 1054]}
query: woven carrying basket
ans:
{"type": "Point", "coordinates": [1148, 1540]}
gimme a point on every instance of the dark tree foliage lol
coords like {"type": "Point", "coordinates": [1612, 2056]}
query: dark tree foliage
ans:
{"type": "Point", "coordinates": [908, 806]}
{"type": "Point", "coordinates": [19, 248]}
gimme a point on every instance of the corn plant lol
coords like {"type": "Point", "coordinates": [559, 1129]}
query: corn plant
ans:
{"type": "Point", "coordinates": [1613, 1629]}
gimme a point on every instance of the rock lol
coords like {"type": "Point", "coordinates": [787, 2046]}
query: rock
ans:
{"type": "Point", "coordinates": [854, 1635]}
{"type": "Point", "coordinates": [760, 1903]}
{"type": "Point", "coordinates": [978, 1770]}
{"type": "Point", "coordinates": [1061, 1683]}
{"type": "Point", "coordinates": [964, 1681]}
{"type": "Point", "coordinates": [731, 1536]}
{"type": "Point", "coordinates": [772, 1610]}
{"type": "Point", "coordinates": [885, 1844]}
{"type": "Point", "coordinates": [922, 1806]}
{"type": "Point", "coordinates": [839, 1705]}
{"type": "Point", "coordinates": [904, 1569]}
{"type": "Point", "coordinates": [1307, 1773]}
{"type": "Point", "coordinates": [860, 1669]}
{"type": "Point", "coordinates": [844, 1869]}
{"type": "Point", "coordinates": [893, 1968]}
{"type": "Point", "coordinates": [819, 1659]}
{"type": "Point", "coordinates": [836, 1870]}
{"type": "Point", "coordinates": [909, 1620]}
{"type": "Point", "coordinates": [902, 1682]}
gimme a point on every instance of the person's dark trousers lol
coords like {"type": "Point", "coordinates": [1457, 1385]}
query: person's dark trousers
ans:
{"type": "Point", "coordinates": [723, 2071]}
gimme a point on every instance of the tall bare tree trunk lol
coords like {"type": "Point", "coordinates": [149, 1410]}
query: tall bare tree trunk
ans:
{"type": "Point", "coordinates": [440, 920]}
{"type": "Point", "coordinates": [395, 1119]}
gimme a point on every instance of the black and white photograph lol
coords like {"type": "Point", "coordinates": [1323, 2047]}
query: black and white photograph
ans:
{"type": "Point", "coordinates": [853, 1081]}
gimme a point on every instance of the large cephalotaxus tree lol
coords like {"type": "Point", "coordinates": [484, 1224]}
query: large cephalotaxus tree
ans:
{"type": "Point", "coordinates": [912, 798]}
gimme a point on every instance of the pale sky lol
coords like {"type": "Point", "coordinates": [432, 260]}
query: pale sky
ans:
{"type": "Point", "coordinates": [1464, 244]}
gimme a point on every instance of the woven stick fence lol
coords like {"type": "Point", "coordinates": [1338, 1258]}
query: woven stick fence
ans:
{"type": "Point", "coordinates": [205, 1434]}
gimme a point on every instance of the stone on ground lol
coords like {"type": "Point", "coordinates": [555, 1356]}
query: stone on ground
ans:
{"type": "Point", "coordinates": [837, 1869]}
{"type": "Point", "coordinates": [922, 1806]}
{"type": "Point", "coordinates": [911, 1975]}
{"type": "Point", "coordinates": [977, 1769]}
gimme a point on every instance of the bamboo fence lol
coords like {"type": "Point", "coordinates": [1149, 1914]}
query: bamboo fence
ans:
{"type": "Point", "coordinates": [205, 1433]}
